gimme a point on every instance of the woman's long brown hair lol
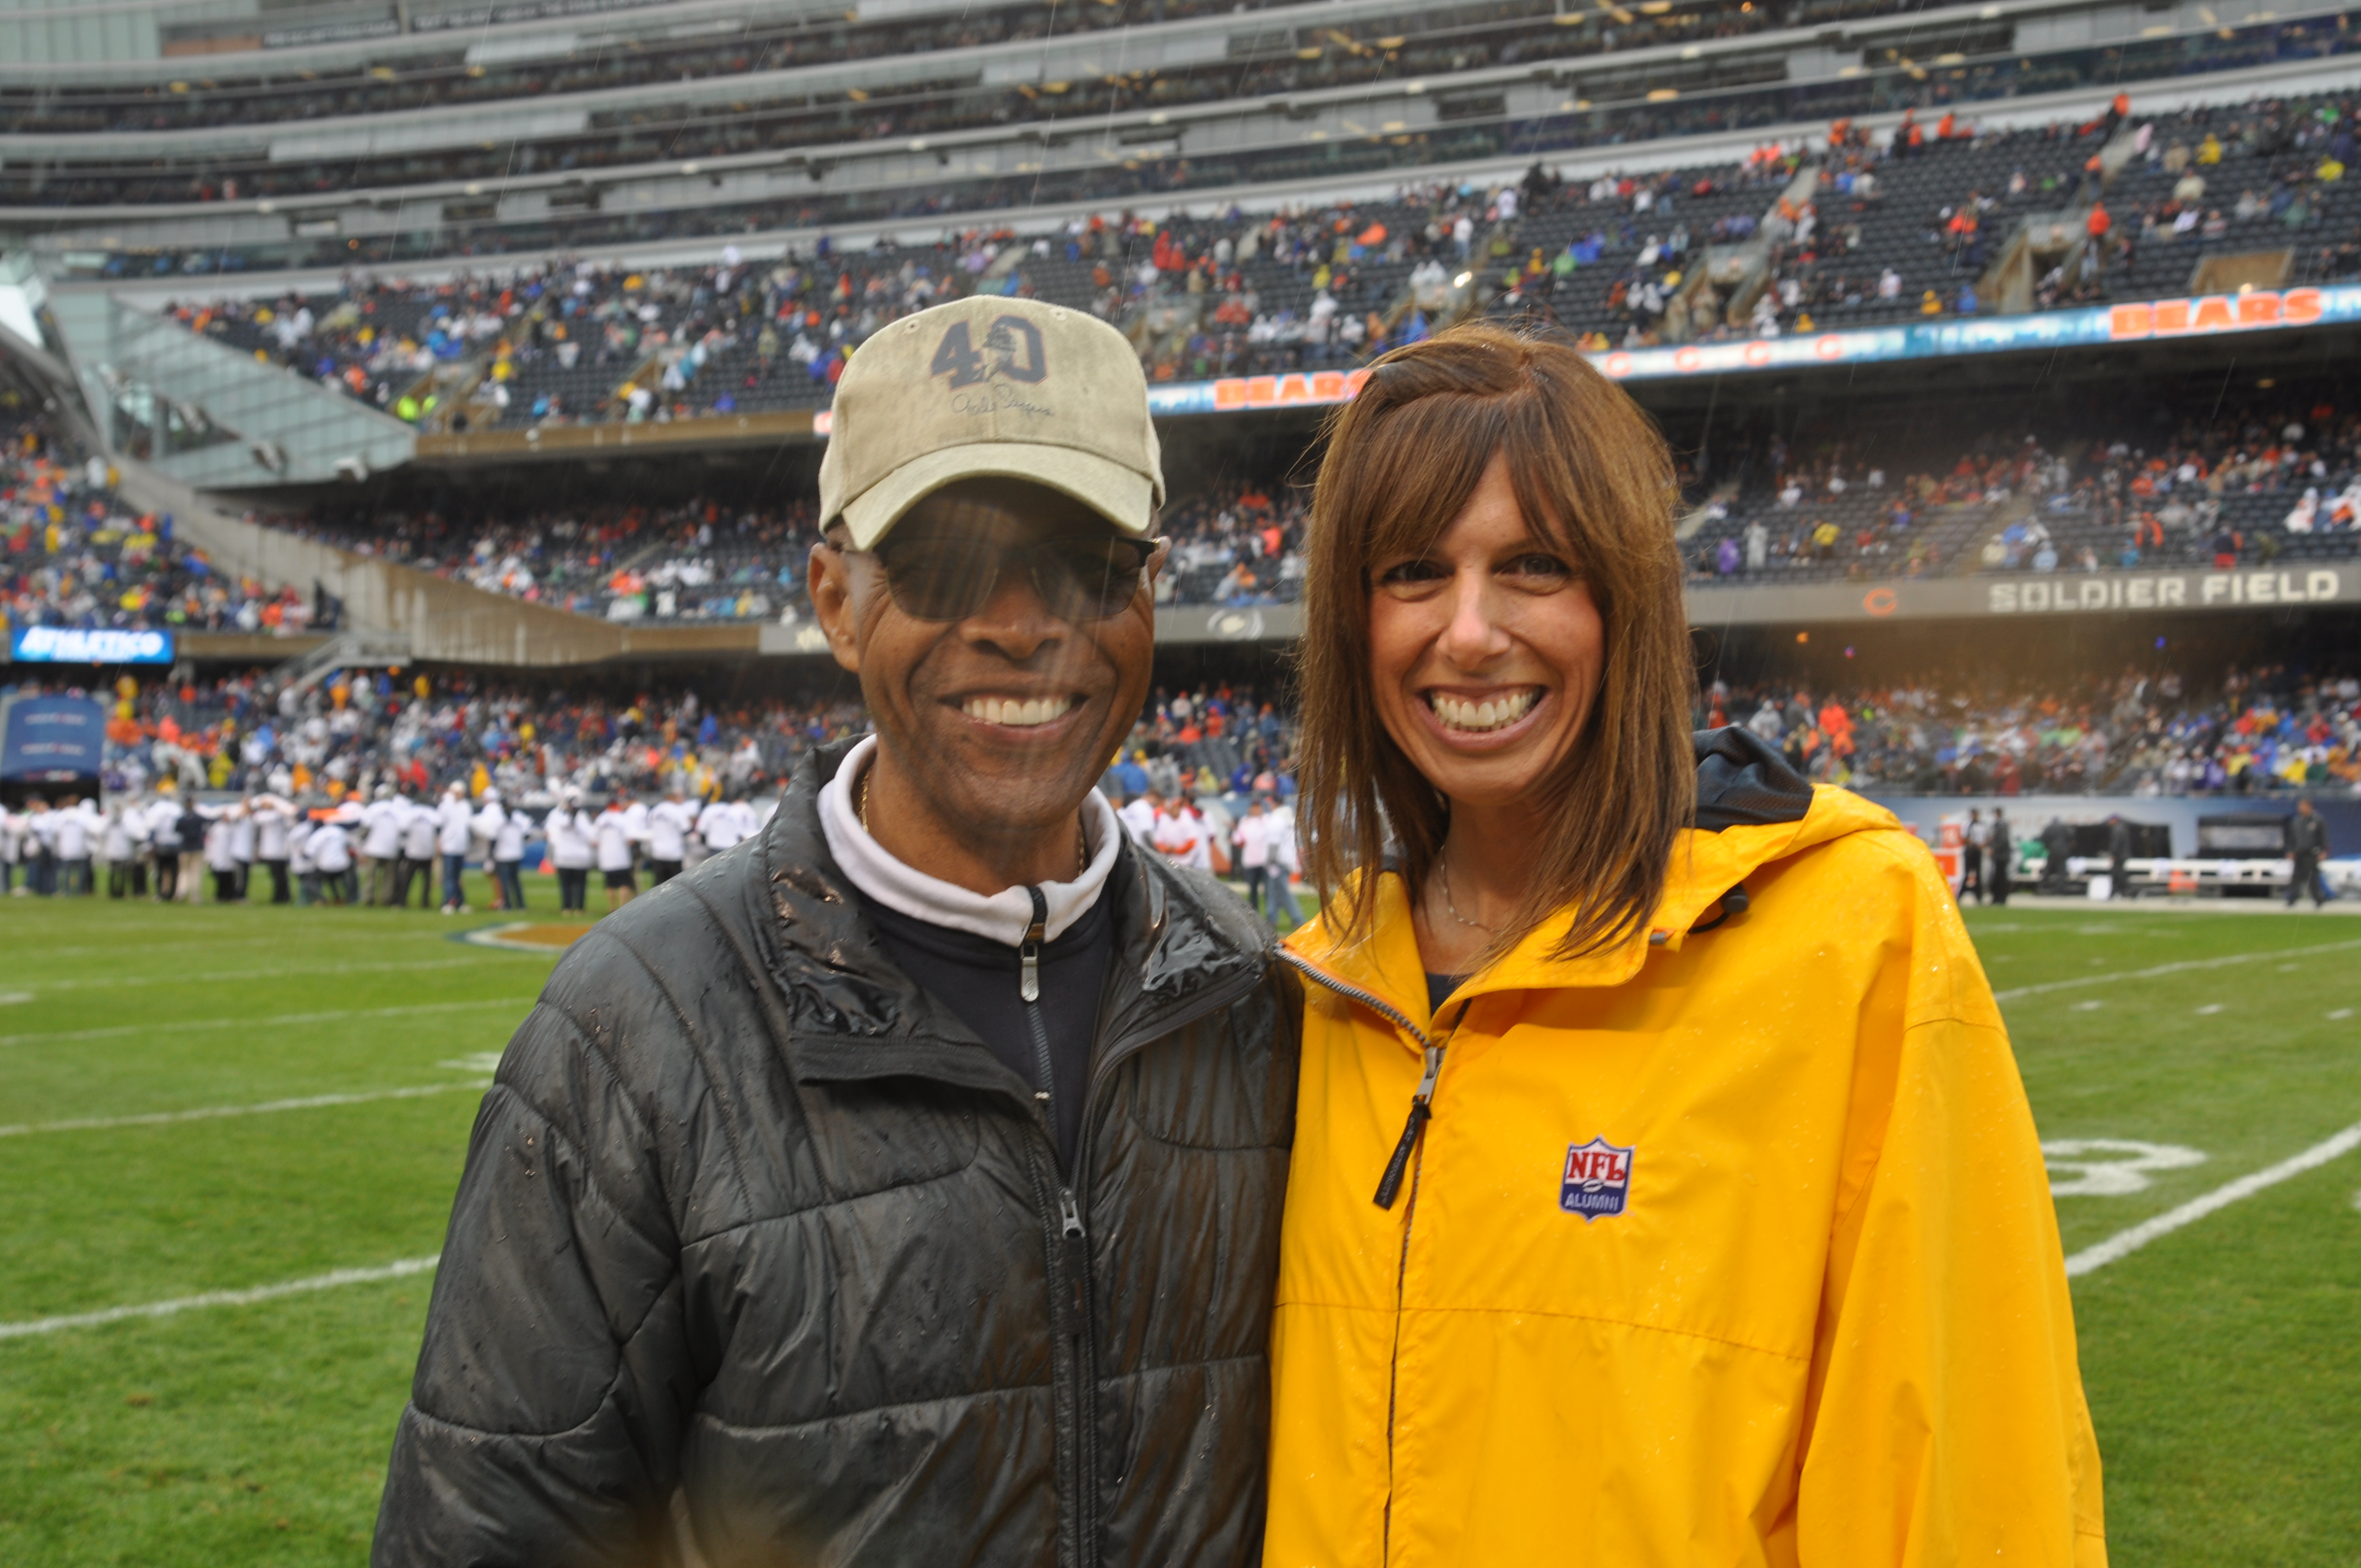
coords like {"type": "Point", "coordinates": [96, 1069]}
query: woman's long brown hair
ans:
{"type": "Point", "coordinates": [1591, 473]}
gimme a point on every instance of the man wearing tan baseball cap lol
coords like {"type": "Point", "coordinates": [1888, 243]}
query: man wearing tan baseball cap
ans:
{"type": "Point", "coordinates": [901, 1185]}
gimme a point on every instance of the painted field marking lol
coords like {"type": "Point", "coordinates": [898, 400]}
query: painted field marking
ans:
{"type": "Point", "coordinates": [486, 1062]}
{"type": "Point", "coordinates": [8, 998]}
{"type": "Point", "coordinates": [114, 1030]}
{"type": "Point", "coordinates": [2342, 1012]}
{"type": "Point", "coordinates": [2183, 967]}
{"type": "Point", "coordinates": [2210, 1009]}
{"type": "Point", "coordinates": [216, 1113]}
{"type": "Point", "coordinates": [328, 1281]}
{"type": "Point", "coordinates": [311, 938]}
{"type": "Point", "coordinates": [2126, 1241]}
{"type": "Point", "coordinates": [2091, 1006]}
{"type": "Point", "coordinates": [525, 936]}
{"type": "Point", "coordinates": [2111, 1168]}
{"type": "Point", "coordinates": [110, 982]}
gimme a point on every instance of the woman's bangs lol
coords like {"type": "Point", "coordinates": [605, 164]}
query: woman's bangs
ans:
{"type": "Point", "coordinates": [1427, 459]}
{"type": "Point", "coordinates": [1542, 475]}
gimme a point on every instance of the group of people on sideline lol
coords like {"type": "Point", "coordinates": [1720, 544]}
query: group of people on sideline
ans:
{"type": "Point", "coordinates": [374, 852]}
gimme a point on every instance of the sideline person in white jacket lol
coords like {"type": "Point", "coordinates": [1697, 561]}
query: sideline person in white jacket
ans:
{"type": "Point", "coordinates": [381, 822]}
{"type": "Point", "coordinates": [503, 830]}
{"type": "Point", "coordinates": [331, 850]}
{"type": "Point", "coordinates": [420, 828]}
{"type": "Point", "coordinates": [454, 824]}
{"type": "Point", "coordinates": [725, 824]}
{"type": "Point", "coordinates": [73, 825]}
{"type": "Point", "coordinates": [570, 850]}
{"type": "Point", "coordinates": [669, 824]}
{"type": "Point", "coordinates": [274, 818]}
{"type": "Point", "coordinates": [620, 829]}
{"type": "Point", "coordinates": [121, 845]}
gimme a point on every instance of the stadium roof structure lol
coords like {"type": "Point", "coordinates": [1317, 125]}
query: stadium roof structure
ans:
{"type": "Point", "coordinates": [1631, 108]}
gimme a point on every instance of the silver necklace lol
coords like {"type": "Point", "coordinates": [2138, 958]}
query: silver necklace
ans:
{"type": "Point", "coordinates": [1444, 866]}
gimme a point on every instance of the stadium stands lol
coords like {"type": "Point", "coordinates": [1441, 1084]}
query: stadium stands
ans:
{"type": "Point", "coordinates": [2255, 485]}
{"type": "Point", "coordinates": [1864, 237]}
{"type": "Point", "coordinates": [71, 554]}
{"type": "Point", "coordinates": [688, 561]}
{"type": "Point", "coordinates": [682, 140]}
{"type": "Point", "coordinates": [2230, 491]}
{"type": "Point", "coordinates": [2139, 732]}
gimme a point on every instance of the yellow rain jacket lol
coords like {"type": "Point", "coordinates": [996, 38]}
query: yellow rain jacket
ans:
{"type": "Point", "coordinates": [1728, 1245]}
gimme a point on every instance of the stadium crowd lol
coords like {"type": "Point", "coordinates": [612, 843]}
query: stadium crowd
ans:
{"type": "Point", "coordinates": [2140, 732]}
{"type": "Point", "coordinates": [72, 555]}
{"type": "Point", "coordinates": [362, 787]}
{"type": "Point", "coordinates": [2278, 479]}
{"type": "Point", "coordinates": [784, 119]}
{"type": "Point", "coordinates": [1893, 231]}
{"type": "Point", "coordinates": [703, 559]}
{"type": "Point", "coordinates": [1354, 52]}
{"type": "Point", "coordinates": [695, 560]}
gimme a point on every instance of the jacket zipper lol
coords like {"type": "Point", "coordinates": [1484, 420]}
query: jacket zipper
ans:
{"type": "Point", "coordinates": [1409, 1157]}
{"type": "Point", "coordinates": [1069, 1240]}
{"type": "Point", "coordinates": [1072, 1198]}
{"type": "Point", "coordinates": [1069, 1243]}
{"type": "Point", "coordinates": [1421, 1100]}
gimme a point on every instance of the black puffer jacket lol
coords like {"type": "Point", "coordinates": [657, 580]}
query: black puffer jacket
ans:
{"type": "Point", "coordinates": [762, 1257]}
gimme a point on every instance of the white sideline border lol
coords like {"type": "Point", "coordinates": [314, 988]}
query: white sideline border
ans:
{"type": "Point", "coordinates": [117, 1031]}
{"type": "Point", "coordinates": [296, 971]}
{"type": "Point", "coordinates": [2159, 970]}
{"type": "Point", "coordinates": [328, 1281]}
{"type": "Point", "coordinates": [2125, 1243]}
{"type": "Point", "coordinates": [216, 1113]}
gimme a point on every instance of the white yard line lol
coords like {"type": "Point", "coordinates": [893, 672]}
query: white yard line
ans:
{"type": "Point", "coordinates": [116, 1030]}
{"type": "Point", "coordinates": [110, 982]}
{"type": "Point", "coordinates": [328, 1281]}
{"type": "Point", "coordinates": [129, 940]}
{"type": "Point", "coordinates": [2222, 1197]}
{"type": "Point", "coordinates": [214, 1113]}
{"type": "Point", "coordinates": [2160, 970]}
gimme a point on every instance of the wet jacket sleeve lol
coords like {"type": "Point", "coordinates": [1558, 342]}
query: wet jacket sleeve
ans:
{"type": "Point", "coordinates": [543, 1424]}
{"type": "Point", "coordinates": [1946, 1421]}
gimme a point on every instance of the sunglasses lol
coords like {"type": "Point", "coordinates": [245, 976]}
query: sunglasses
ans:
{"type": "Point", "coordinates": [1085, 578]}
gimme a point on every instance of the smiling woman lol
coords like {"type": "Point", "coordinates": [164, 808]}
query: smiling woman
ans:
{"type": "Point", "coordinates": [1716, 1230]}
{"type": "Point", "coordinates": [1494, 631]}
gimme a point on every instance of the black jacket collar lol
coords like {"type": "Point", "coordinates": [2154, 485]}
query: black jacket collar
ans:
{"type": "Point", "coordinates": [1182, 944]}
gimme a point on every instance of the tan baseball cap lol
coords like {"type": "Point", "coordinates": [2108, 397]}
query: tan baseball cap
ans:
{"type": "Point", "coordinates": [990, 388]}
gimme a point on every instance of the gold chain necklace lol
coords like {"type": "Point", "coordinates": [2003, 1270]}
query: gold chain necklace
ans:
{"type": "Point", "coordinates": [1081, 835]}
{"type": "Point", "coordinates": [1444, 866]}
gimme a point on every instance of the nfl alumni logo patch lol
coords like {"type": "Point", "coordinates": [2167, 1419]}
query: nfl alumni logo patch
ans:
{"type": "Point", "coordinates": [1597, 1179]}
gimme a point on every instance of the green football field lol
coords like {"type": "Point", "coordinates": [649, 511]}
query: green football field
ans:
{"type": "Point", "coordinates": [2169, 1057]}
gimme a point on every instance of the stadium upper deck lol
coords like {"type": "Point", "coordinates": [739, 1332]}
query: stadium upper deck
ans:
{"type": "Point", "coordinates": [1814, 240]}
{"type": "Point", "coordinates": [586, 140]}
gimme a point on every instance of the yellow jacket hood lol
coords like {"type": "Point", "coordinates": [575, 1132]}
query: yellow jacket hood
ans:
{"type": "Point", "coordinates": [1754, 811]}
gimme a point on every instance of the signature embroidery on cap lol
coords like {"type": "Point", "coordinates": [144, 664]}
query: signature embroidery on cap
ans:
{"type": "Point", "coordinates": [1012, 352]}
{"type": "Point", "coordinates": [1597, 1179]}
{"type": "Point", "coordinates": [998, 398]}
